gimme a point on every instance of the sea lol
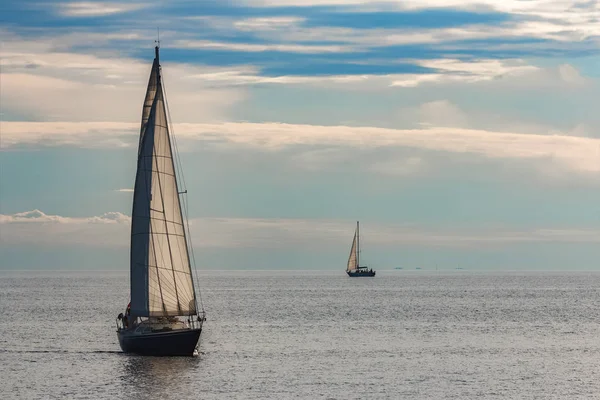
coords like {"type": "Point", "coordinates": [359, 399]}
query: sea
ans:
{"type": "Point", "coordinates": [313, 335]}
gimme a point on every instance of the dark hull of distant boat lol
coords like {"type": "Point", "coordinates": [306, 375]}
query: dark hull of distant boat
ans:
{"type": "Point", "coordinates": [358, 274]}
{"type": "Point", "coordinates": [180, 342]}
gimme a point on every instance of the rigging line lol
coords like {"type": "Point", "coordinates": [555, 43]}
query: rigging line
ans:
{"type": "Point", "coordinates": [185, 203]}
{"type": "Point", "coordinates": [194, 260]}
{"type": "Point", "coordinates": [157, 156]}
{"type": "Point", "coordinates": [156, 233]}
{"type": "Point", "coordinates": [164, 268]}
{"type": "Point", "coordinates": [168, 291]}
{"type": "Point", "coordinates": [174, 276]}
{"type": "Point", "coordinates": [158, 251]}
{"type": "Point", "coordinates": [170, 301]}
{"type": "Point", "coordinates": [158, 219]}
{"type": "Point", "coordinates": [167, 285]}
{"type": "Point", "coordinates": [162, 172]}
{"type": "Point", "coordinates": [169, 297]}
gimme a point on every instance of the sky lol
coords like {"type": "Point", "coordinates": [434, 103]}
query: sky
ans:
{"type": "Point", "coordinates": [462, 134]}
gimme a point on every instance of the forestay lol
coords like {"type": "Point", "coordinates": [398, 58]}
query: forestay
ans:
{"type": "Point", "coordinates": [161, 278]}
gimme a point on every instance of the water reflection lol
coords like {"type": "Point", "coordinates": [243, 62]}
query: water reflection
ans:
{"type": "Point", "coordinates": [158, 377]}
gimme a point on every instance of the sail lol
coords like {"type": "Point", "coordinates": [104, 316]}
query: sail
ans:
{"type": "Point", "coordinates": [161, 277]}
{"type": "Point", "coordinates": [353, 259]}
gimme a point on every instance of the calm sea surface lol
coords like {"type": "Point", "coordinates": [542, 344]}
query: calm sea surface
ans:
{"type": "Point", "coordinates": [313, 335]}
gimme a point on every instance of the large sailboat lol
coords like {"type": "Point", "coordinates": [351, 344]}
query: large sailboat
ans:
{"type": "Point", "coordinates": [163, 317]}
{"type": "Point", "coordinates": [353, 269]}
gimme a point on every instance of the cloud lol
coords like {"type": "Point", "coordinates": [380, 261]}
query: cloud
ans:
{"type": "Point", "coordinates": [43, 80]}
{"type": "Point", "coordinates": [39, 229]}
{"type": "Point", "coordinates": [442, 113]}
{"type": "Point", "coordinates": [95, 9]}
{"type": "Point", "coordinates": [399, 167]}
{"type": "Point", "coordinates": [465, 71]}
{"type": "Point", "coordinates": [251, 76]}
{"type": "Point", "coordinates": [42, 83]}
{"type": "Point", "coordinates": [112, 230]}
{"type": "Point", "coordinates": [553, 20]}
{"type": "Point", "coordinates": [124, 190]}
{"type": "Point", "coordinates": [38, 217]}
{"type": "Point", "coordinates": [513, 73]}
{"type": "Point", "coordinates": [570, 74]}
{"type": "Point", "coordinates": [548, 8]}
{"type": "Point", "coordinates": [249, 47]}
{"type": "Point", "coordinates": [81, 134]}
{"type": "Point", "coordinates": [577, 154]}
{"type": "Point", "coordinates": [267, 23]}
{"type": "Point", "coordinates": [321, 158]}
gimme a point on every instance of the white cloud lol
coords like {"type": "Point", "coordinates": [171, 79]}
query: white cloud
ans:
{"type": "Point", "coordinates": [81, 134]}
{"type": "Point", "coordinates": [251, 76]}
{"type": "Point", "coordinates": [36, 228]}
{"type": "Point", "coordinates": [266, 23]}
{"type": "Point", "coordinates": [442, 113]}
{"type": "Point", "coordinates": [399, 167]}
{"type": "Point", "coordinates": [466, 71]}
{"type": "Point", "coordinates": [249, 47]}
{"type": "Point", "coordinates": [578, 154]}
{"type": "Point", "coordinates": [45, 84]}
{"type": "Point", "coordinates": [124, 190]}
{"type": "Point", "coordinates": [557, 20]}
{"type": "Point", "coordinates": [319, 159]}
{"type": "Point", "coordinates": [95, 9]}
{"type": "Point", "coordinates": [37, 216]}
{"type": "Point", "coordinates": [112, 230]}
{"type": "Point", "coordinates": [570, 74]}
{"type": "Point", "coordinates": [442, 72]}
{"type": "Point", "coordinates": [479, 67]}
{"type": "Point", "coordinates": [536, 7]}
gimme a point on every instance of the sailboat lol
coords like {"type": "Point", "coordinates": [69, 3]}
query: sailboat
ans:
{"type": "Point", "coordinates": [353, 269]}
{"type": "Point", "coordinates": [163, 317]}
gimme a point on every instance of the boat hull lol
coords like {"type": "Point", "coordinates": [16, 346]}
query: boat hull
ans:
{"type": "Point", "coordinates": [180, 342]}
{"type": "Point", "coordinates": [360, 274]}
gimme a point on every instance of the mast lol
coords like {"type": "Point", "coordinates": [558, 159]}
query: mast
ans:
{"type": "Point", "coordinates": [357, 247]}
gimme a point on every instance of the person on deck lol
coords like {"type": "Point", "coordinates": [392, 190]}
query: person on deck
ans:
{"type": "Point", "coordinates": [127, 316]}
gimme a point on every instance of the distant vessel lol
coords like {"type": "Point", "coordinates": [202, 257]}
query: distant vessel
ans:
{"type": "Point", "coordinates": [162, 318]}
{"type": "Point", "coordinates": [353, 269]}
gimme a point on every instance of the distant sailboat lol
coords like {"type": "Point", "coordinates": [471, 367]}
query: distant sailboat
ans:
{"type": "Point", "coordinates": [163, 316]}
{"type": "Point", "coordinates": [353, 269]}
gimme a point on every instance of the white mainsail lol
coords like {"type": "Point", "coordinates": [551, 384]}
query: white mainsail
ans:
{"type": "Point", "coordinates": [353, 259]}
{"type": "Point", "coordinates": [161, 277]}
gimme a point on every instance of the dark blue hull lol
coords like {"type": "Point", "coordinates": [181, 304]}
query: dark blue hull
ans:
{"type": "Point", "coordinates": [357, 274]}
{"type": "Point", "coordinates": [181, 342]}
